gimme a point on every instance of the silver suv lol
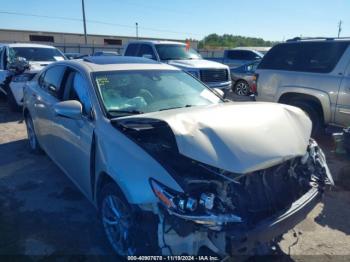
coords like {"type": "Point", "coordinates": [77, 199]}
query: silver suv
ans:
{"type": "Point", "coordinates": [312, 74]}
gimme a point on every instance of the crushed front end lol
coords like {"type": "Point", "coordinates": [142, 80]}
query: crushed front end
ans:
{"type": "Point", "coordinates": [229, 213]}
{"type": "Point", "coordinates": [237, 213]}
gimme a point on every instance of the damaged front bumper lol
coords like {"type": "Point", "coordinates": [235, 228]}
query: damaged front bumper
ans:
{"type": "Point", "coordinates": [263, 205]}
{"type": "Point", "coordinates": [243, 242]}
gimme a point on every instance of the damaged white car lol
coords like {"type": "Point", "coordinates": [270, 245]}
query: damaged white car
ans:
{"type": "Point", "coordinates": [19, 63]}
{"type": "Point", "coordinates": [171, 166]}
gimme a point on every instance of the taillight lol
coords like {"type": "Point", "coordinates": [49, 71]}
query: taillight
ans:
{"type": "Point", "coordinates": [254, 85]}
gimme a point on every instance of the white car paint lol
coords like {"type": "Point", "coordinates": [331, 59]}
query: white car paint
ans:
{"type": "Point", "coordinates": [239, 137]}
{"type": "Point", "coordinates": [35, 67]}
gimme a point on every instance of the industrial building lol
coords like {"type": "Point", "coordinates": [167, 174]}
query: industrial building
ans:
{"type": "Point", "coordinates": [73, 42]}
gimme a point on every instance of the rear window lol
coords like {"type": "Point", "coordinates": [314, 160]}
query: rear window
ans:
{"type": "Point", "coordinates": [314, 57]}
{"type": "Point", "coordinates": [242, 55]}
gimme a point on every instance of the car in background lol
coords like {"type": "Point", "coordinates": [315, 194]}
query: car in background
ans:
{"type": "Point", "coordinates": [19, 64]}
{"type": "Point", "coordinates": [244, 79]}
{"type": "Point", "coordinates": [215, 75]}
{"type": "Point", "coordinates": [312, 74]}
{"type": "Point", "coordinates": [238, 57]}
{"type": "Point", "coordinates": [106, 53]}
{"type": "Point", "coordinates": [145, 141]}
{"type": "Point", "coordinates": [74, 55]}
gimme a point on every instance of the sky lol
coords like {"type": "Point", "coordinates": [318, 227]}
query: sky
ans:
{"type": "Point", "coordinates": [274, 20]}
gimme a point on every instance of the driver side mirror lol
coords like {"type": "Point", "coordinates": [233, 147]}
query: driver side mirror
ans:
{"type": "Point", "coordinates": [71, 109]}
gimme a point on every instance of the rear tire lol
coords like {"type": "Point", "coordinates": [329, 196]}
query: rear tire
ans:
{"type": "Point", "coordinates": [32, 138]}
{"type": "Point", "coordinates": [241, 88]}
{"type": "Point", "coordinates": [314, 115]}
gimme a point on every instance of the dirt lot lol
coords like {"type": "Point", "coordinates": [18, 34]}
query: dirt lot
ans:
{"type": "Point", "coordinates": [42, 213]}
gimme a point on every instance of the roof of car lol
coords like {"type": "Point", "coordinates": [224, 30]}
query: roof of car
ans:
{"type": "Point", "coordinates": [26, 45]}
{"type": "Point", "coordinates": [115, 63]}
{"type": "Point", "coordinates": [156, 42]}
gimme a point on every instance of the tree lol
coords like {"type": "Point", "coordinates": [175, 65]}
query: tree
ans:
{"type": "Point", "coordinates": [215, 41]}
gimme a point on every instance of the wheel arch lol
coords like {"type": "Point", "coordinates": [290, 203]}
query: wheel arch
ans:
{"type": "Point", "coordinates": [102, 180]}
{"type": "Point", "coordinates": [318, 100]}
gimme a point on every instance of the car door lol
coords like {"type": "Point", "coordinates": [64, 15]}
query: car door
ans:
{"type": "Point", "coordinates": [342, 114]}
{"type": "Point", "coordinates": [46, 94]}
{"type": "Point", "coordinates": [73, 138]}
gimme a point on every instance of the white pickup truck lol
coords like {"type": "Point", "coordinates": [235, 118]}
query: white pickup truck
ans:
{"type": "Point", "coordinates": [215, 75]}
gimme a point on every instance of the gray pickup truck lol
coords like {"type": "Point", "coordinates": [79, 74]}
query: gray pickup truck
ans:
{"type": "Point", "coordinates": [215, 75]}
{"type": "Point", "coordinates": [312, 74]}
{"type": "Point", "coordinates": [237, 57]}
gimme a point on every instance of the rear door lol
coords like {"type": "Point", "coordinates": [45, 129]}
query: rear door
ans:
{"type": "Point", "coordinates": [342, 112]}
{"type": "Point", "coordinates": [73, 138]}
{"type": "Point", "coordinates": [46, 95]}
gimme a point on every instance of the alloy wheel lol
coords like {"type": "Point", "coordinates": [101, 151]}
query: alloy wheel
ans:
{"type": "Point", "coordinates": [116, 220]}
{"type": "Point", "coordinates": [242, 89]}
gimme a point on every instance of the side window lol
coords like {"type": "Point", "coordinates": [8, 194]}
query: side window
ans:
{"type": "Point", "coordinates": [232, 54]}
{"type": "Point", "coordinates": [147, 51]}
{"type": "Point", "coordinates": [76, 88]}
{"type": "Point", "coordinates": [52, 79]}
{"type": "Point", "coordinates": [315, 57]}
{"type": "Point", "coordinates": [131, 50]}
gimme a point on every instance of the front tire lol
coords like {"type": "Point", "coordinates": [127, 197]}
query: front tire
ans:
{"type": "Point", "coordinates": [32, 138]}
{"type": "Point", "coordinates": [118, 220]}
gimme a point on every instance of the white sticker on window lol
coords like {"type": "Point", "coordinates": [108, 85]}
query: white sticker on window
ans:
{"type": "Point", "coordinates": [58, 58]}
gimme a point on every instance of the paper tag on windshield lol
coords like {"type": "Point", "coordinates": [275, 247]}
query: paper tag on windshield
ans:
{"type": "Point", "coordinates": [58, 58]}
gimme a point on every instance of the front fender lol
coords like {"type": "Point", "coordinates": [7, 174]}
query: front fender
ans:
{"type": "Point", "coordinates": [321, 96]}
{"type": "Point", "coordinates": [129, 165]}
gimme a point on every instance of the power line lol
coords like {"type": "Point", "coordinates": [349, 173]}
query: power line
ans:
{"type": "Point", "coordinates": [96, 22]}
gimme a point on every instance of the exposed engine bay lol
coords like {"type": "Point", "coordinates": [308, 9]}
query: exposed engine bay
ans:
{"type": "Point", "coordinates": [215, 201]}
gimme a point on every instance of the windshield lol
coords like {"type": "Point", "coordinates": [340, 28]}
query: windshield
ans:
{"type": "Point", "coordinates": [35, 54]}
{"type": "Point", "coordinates": [136, 92]}
{"type": "Point", "coordinates": [176, 52]}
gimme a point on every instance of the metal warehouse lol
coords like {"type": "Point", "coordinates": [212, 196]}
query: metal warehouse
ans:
{"type": "Point", "coordinates": [73, 42]}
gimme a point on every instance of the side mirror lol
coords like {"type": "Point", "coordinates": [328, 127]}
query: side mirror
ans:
{"type": "Point", "coordinates": [71, 109]}
{"type": "Point", "coordinates": [219, 92]}
{"type": "Point", "coordinates": [148, 56]}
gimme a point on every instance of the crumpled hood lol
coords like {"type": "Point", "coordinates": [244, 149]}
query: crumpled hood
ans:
{"type": "Point", "coordinates": [197, 64]}
{"type": "Point", "coordinates": [239, 137]}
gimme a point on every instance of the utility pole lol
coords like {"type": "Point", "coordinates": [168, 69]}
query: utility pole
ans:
{"type": "Point", "coordinates": [84, 20]}
{"type": "Point", "coordinates": [137, 30]}
{"type": "Point", "coordinates": [339, 27]}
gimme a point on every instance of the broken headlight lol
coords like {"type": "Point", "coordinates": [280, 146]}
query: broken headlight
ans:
{"type": "Point", "coordinates": [181, 201]}
{"type": "Point", "coordinates": [197, 208]}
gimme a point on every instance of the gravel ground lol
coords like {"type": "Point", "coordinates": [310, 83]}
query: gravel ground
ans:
{"type": "Point", "coordinates": [43, 214]}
